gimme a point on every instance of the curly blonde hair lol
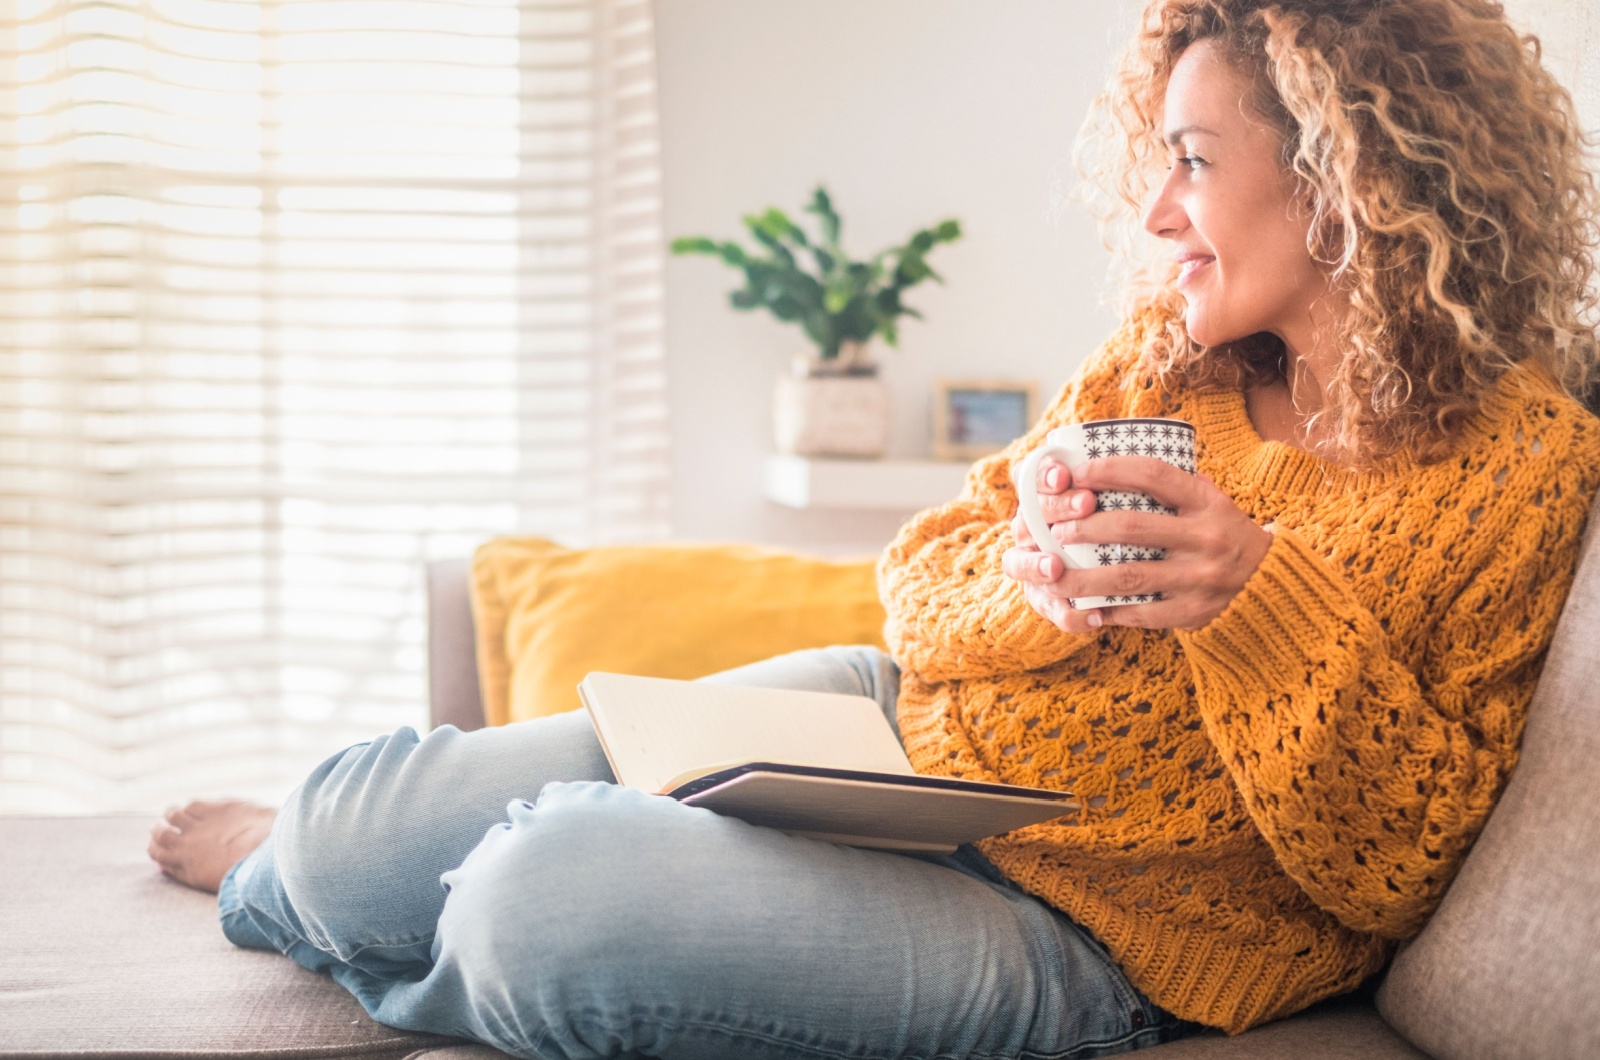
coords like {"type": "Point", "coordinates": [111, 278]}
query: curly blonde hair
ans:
{"type": "Point", "coordinates": [1444, 171]}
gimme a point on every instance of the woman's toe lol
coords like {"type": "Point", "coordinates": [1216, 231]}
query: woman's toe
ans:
{"type": "Point", "coordinates": [163, 839]}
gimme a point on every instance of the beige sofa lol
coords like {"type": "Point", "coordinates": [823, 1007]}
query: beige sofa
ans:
{"type": "Point", "coordinates": [101, 957]}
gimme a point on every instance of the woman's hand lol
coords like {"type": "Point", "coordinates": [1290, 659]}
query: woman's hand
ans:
{"type": "Point", "coordinates": [1212, 547]}
{"type": "Point", "coordinates": [1040, 572]}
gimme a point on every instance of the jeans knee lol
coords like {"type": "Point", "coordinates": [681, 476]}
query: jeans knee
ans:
{"type": "Point", "coordinates": [329, 845]}
{"type": "Point", "coordinates": [572, 922]}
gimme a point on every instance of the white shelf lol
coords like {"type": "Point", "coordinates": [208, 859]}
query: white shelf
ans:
{"type": "Point", "coordinates": [881, 485]}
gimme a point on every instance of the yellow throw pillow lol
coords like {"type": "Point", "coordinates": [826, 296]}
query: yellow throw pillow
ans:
{"type": "Point", "coordinates": [546, 615]}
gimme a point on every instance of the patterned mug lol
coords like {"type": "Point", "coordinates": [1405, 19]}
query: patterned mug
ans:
{"type": "Point", "coordinates": [1172, 441]}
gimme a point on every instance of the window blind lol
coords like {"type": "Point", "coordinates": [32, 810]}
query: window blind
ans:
{"type": "Point", "coordinates": [294, 297]}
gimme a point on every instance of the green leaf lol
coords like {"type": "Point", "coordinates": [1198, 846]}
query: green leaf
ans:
{"type": "Point", "coordinates": [779, 251]}
{"type": "Point", "coordinates": [732, 253]}
{"type": "Point", "coordinates": [819, 328]}
{"type": "Point", "coordinates": [822, 206]}
{"type": "Point", "coordinates": [757, 226]}
{"type": "Point", "coordinates": [693, 245]}
{"type": "Point", "coordinates": [776, 227]}
{"type": "Point", "coordinates": [911, 270]}
{"type": "Point", "coordinates": [758, 272]}
{"type": "Point", "coordinates": [863, 274]}
{"type": "Point", "coordinates": [785, 307]}
{"type": "Point", "coordinates": [948, 231]}
{"type": "Point", "coordinates": [799, 288]}
{"type": "Point", "coordinates": [857, 320]}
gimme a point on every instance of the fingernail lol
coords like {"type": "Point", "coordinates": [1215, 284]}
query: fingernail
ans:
{"type": "Point", "coordinates": [1083, 502]}
{"type": "Point", "coordinates": [1044, 566]}
{"type": "Point", "coordinates": [1095, 620]}
{"type": "Point", "coordinates": [1052, 478]}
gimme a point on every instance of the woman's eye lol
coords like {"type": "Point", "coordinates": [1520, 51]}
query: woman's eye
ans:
{"type": "Point", "coordinates": [1192, 161]}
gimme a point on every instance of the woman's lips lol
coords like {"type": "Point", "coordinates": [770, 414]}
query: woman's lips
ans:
{"type": "Point", "coordinates": [1189, 267]}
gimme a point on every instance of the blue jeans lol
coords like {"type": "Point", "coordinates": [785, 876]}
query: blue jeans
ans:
{"type": "Point", "coordinates": [499, 886]}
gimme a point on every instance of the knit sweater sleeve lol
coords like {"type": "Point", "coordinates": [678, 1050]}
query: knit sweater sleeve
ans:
{"type": "Point", "coordinates": [1368, 779]}
{"type": "Point", "coordinates": [952, 613]}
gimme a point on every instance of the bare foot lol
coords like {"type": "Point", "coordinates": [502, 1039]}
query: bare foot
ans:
{"type": "Point", "coordinates": [200, 842]}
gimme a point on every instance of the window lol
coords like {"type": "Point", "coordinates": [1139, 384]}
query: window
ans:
{"type": "Point", "coordinates": [296, 297]}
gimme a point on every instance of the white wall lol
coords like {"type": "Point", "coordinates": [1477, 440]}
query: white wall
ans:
{"type": "Point", "coordinates": [910, 111]}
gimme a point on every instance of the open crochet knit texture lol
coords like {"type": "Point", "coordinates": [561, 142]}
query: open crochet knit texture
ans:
{"type": "Point", "coordinates": [1270, 802]}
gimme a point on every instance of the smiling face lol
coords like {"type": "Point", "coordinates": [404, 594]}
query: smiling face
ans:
{"type": "Point", "coordinates": [1229, 208]}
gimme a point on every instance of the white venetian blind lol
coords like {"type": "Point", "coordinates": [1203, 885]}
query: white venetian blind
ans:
{"type": "Point", "coordinates": [294, 297]}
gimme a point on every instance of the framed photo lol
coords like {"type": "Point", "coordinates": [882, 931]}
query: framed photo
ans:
{"type": "Point", "coordinates": [973, 418]}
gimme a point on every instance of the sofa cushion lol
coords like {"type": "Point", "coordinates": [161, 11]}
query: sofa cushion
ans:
{"type": "Point", "coordinates": [1345, 1028]}
{"type": "Point", "coordinates": [105, 957]}
{"type": "Point", "coordinates": [547, 615]}
{"type": "Point", "coordinates": [1509, 965]}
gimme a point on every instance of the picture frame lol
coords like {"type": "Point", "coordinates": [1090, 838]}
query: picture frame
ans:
{"type": "Point", "coordinates": [974, 418]}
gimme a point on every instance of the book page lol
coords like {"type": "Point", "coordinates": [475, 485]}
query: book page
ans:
{"type": "Point", "coordinates": [654, 729]}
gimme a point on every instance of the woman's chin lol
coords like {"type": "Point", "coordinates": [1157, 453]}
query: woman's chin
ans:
{"type": "Point", "coordinates": [1202, 330]}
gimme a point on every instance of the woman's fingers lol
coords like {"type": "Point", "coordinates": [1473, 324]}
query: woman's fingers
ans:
{"type": "Point", "coordinates": [1170, 485]}
{"type": "Point", "coordinates": [1073, 504]}
{"type": "Point", "coordinates": [1123, 579]}
{"type": "Point", "coordinates": [1146, 529]}
{"type": "Point", "coordinates": [1055, 610]}
{"type": "Point", "coordinates": [1040, 575]}
{"type": "Point", "coordinates": [1030, 566]}
{"type": "Point", "coordinates": [1054, 477]}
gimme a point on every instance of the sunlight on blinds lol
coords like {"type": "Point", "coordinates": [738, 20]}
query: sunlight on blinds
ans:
{"type": "Point", "coordinates": [297, 296]}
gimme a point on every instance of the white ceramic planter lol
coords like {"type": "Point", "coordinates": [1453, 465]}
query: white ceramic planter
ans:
{"type": "Point", "coordinates": [817, 410]}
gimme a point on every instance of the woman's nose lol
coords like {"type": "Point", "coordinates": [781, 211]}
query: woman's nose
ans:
{"type": "Point", "coordinates": [1165, 217]}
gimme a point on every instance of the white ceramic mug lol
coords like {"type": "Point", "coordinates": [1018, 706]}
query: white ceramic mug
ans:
{"type": "Point", "coordinates": [1172, 441]}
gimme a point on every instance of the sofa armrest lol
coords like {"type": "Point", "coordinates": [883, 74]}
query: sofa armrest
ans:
{"type": "Point", "coordinates": [453, 694]}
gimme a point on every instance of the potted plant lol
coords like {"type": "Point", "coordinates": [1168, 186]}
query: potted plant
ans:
{"type": "Point", "coordinates": [832, 402]}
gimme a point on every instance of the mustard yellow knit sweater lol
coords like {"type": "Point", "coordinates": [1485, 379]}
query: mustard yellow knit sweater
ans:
{"type": "Point", "coordinates": [1270, 802]}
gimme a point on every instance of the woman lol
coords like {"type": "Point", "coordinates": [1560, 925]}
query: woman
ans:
{"type": "Point", "coordinates": [1381, 238]}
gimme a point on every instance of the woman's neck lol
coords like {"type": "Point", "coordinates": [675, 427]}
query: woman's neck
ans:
{"type": "Point", "coordinates": [1287, 409]}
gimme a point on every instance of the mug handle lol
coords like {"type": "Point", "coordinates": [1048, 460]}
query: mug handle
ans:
{"type": "Point", "coordinates": [1026, 479]}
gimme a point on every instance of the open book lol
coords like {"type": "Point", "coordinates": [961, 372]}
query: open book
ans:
{"type": "Point", "coordinates": [813, 763]}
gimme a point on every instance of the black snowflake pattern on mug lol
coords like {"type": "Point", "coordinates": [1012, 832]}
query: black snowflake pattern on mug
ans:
{"type": "Point", "coordinates": [1111, 555]}
{"type": "Point", "coordinates": [1162, 439]}
{"type": "Point", "coordinates": [1165, 440]}
{"type": "Point", "coordinates": [1130, 501]}
{"type": "Point", "coordinates": [1112, 601]}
